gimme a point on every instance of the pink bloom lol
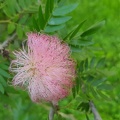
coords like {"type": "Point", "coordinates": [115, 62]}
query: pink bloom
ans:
{"type": "Point", "coordinates": [45, 69]}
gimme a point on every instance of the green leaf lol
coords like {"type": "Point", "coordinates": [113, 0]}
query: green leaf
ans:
{"type": "Point", "coordinates": [17, 7]}
{"type": "Point", "coordinates": [2, 5]}
{"type": "Point", "coordinates": [60, 11]}
{"type": "Point", "coordinates": [77, 29]}
{"type": "Point", "coordinates": [84, 96]}
{"type": "Point", "coordinates": [105, 87]}
{"type": "Point", "coordinates": [35, 24]}
{"type": "Point", "coordinates": [98, 82]}
{"type": "Point", "coordinates": [51, 5]}
{"type": "Point", "coordinates": [74, 91]}
{"type": "Point", "coordinates": [58, 20]}
{"type": "Point", "coordinates": [77, 84]}
{"type": "Point", "coordinates": [19, 31]}
{"type": "Point", "coordinates": [28, 2]}
{"type": "Point", "coordinates": [100, 63]}
{"type": "Point", "coordinates": [93, 29]}
{"type": "Point", "coordinates": [50, 29]}
{"type": "Point", "coordinates": [7, 12]}
{"type": "Point", "coordinates": [103, 95]}
{"type": "Point", "coordinates": [12, 90]}
{"type": "Point", "coordinates": [1, 89]}
{"type": "Point", "coordinates": [11, 28]}
{"type": "Point", "coordinates": [24, 19]}
{"type": "Point", "coordinates": [86, 64]}
{"type": "Point", "coordinates": [47, 10]}
{"type": "Point", "coordinates": [22, 4]}
{"type": "Point", "coordinates": [4, 73]}
{"type": "Point", "coordinates": [3, 65]}
{"type": "Point", "coordinates": [83, 106]}
{"type": "Point", "coordinates": [68, 35]}
{"type": "Point", "coordinates": [2, 81]}
{"type": "Point", "coordinates": [80, 106]}
{"type": "Point", "coordinates": [11, 6]}
{"type": "Point", "coordinates": [75, 48]}
{"type": "Point", "coordinates": [85, 43]}
{"type": "Point", "coordinates": [87, 117]}
{"type": "Point", "coordinates": [94, 92]}
{"type": "Point", "coordinates": [80, 42]}
{"type": "Point", "coordinates": [41, 18]}
{"type": "Point", "coordinates": [92, 62]}
{"type": "Point", "coordinates": [81, 67]}
{"type": "Point", "coordinates": [26, 29]}
{"type": "Point", "coordinates": [58, 1]}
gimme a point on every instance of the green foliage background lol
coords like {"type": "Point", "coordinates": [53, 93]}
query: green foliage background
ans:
{"type": "Point", "coordinates": [99, 52]}
{"type": "Point", "coordinates": [108, 38]}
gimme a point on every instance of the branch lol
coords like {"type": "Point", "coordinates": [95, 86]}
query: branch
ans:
{"type": "Point", "coordinates": [6, 42]}
{"type": "Point", "coordinates": [94, 111]}
{"type": "Point", "coordinates": [52, 112]}
{"type": "Point", "coordinates": [54, 108]}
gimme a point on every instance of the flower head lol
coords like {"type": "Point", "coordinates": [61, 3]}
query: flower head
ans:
{"type": "Point", "coordinates": [45, 69]}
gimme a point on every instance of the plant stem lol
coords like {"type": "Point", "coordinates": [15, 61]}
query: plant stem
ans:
{"type": "Point", "coordinates": [7, 41]}
{"type": "Point", "coordinates": [52, 112]}
{"type": "Point", "coordinates": [94, 111]}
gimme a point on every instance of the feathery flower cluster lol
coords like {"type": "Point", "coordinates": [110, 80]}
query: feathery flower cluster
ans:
{"type": "Point", "coordinates": [45, 69]}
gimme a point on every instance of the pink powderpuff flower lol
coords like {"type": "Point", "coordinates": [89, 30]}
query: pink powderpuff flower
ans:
{"type": "Point", "coordinates": [45, 69]}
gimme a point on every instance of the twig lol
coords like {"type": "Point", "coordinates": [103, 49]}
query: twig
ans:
{"type": "Point", "coordinates": [54, 109]}
{"type": "Point", "coordinates": [6, 42]}
{"type": "Point", "coordinates": [94, 111]}
{"type": "Point", "coordinates": [52, 112]}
